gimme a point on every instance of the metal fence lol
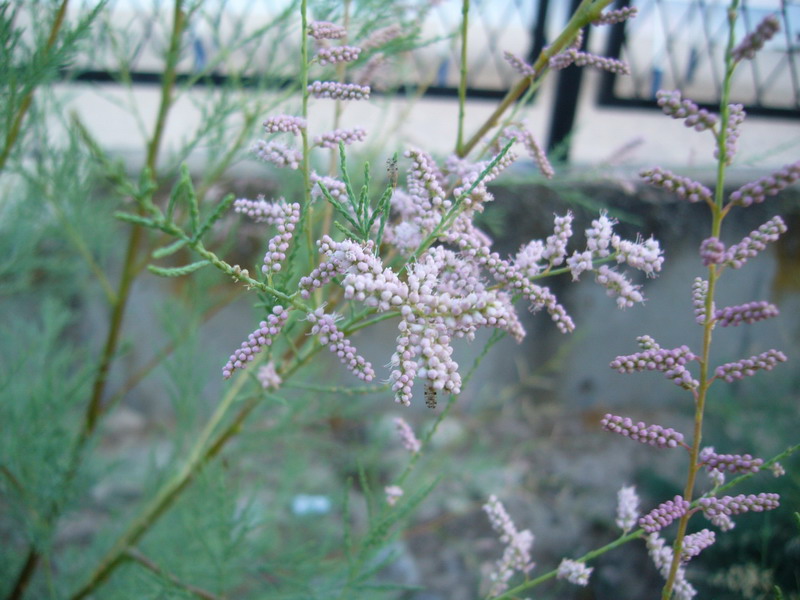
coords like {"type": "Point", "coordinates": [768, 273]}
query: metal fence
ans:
{"type": "Point", "coordinates": [678, 44]}
{"type": "Point", "coordinates": [670, 44]}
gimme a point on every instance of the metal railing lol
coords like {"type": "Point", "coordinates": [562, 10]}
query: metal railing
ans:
{"type": "Point", "coordinates": [679, 44]}
{"type": "Point", "coordinates": [670, 44]}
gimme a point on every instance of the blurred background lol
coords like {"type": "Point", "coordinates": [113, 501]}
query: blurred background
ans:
{"type": "Point", "coordinates": [590, 116]}
{"type": "Point", "coordinates": [526, 428]}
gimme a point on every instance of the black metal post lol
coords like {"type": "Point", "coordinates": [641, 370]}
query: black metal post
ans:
{"type": "Point", "coordinates": [539, 31]}
{"type": "Point", "coordinates": [616, 39]}
{"type": "Point", "coordinates": [566, 103]}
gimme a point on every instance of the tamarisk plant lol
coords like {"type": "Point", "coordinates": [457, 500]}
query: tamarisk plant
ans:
{"type": "Point", "coordinates": [339, 258]}
{"type": "Point", "coordinates": [414, 255]}
{"type": "Point", "coordinates": [691, 370]}
{"type": "Point", "coordinates": [433, 276]}
{"type": "Point", "coordinates": [182, 221]}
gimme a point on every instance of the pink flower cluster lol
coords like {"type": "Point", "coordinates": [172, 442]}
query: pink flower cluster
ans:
{"type": "Point", "coordinates": [664, 514]}
{"type": "Point", "coordinates": [536, 151]}
{"type": "Point", "coordinates": [670, 362]}
{"type": "Point", "coordinates": [475, 244]}
{"type": "Point", "coordinates": [661, 554]}
{"type": "Point", "coordinates": [769, 185]}
{"type": "Point", "coordinates": [324, 327]}
{"type": "Point", "coordinates": [736, 117]}
{"type": "Point", "coordinates": [720, 510]}
{"type": "Point", "coordinates": [754, 41]}
{"type": "Point", "coordinates": [338, 91]}
{"type": "Point", "coordinates": [337, 54]}
{"type": "Point", "coordinates": [699, 296]}
{"type": "Point", "coordinates": [346, 136]}
{"type": "Point", "coordinates": [627, 508]}
{"type": "Point", "coordinates": [256, 341]}
{"type": "Point", "coordinates": [695, 543]}
{"type": "Point", "coordinates": [574, 571]}
{"type": "Point", "coordinates": [684, 187]}
{"type": "Point", "coordinates": [677, 108]}
{"type": "Point", "coordinates": [712, 251]}
{"type": "Point", "coordinates": [516, 556]}
{"type": "Point", "coordinates": [732, 316]}
{"type": "Point", "coordinates": [471, 190]}
{"type": "Point", "coordinates": [335, 187]}
{"type": "Point", "coordinates": [733, 463]}
{"type": "Point", "coordinates": [616, 16]}
{"type": "Point", "coordinates": [407, 437]}
{"type": "Point", "coordinates": [422, 209]}
{"type": "Point", "coordinates": [586, 59]}
{"type": "Point", "coordinates": [393, 494]}
{"type": "Point", "coordinates": [285, 124]}
{"type": "Point", "coordinates": [519, 65]}
{"type": "Point", "coordinates": [441, 299]}
{"type": "Point", "coordinates": [325, 30]}
{"type": "Point", "coordinates": [278, 154]}
{"type": "Point", "coordinates": [443, 294]}
{"type": "Point", "coordinates": [268, 377]}
{"type": "Point", "coordinates": [281, 214]}
{"type": "Point", "coordinates": [733, 371]}
{"type": "Point", "coordinates": [655, 435]}
{"type": "Point", "coordinates": [756, 241]}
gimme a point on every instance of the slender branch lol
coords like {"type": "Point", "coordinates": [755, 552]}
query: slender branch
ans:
{"type": "Point", "coordinates": [94, 407]}
{"type": "Point", "coordinates": [133, 380]}
{"type": "Point", "coordinates": [136, 556]}
{"type": "Point", "coordinates": [514, 592]}
{"type": "Point", "coordinates": [587, 11]}
{"type": "Point", "coordinates": [340, 390]}
{"type": "Point", "coordinates": [137, 233]}
{"type": "Point", "coordinates": [208, 445]}
{"type": "Point", "coordinates": [462, 83]}
{"type": "Point", "coordinates": [205, 449]}
{"type": "Point", "coordinates": [708, 325]}
{"type": "Point", "coordinates": [306, 166]}
{"type": "Point", "coordinates": [637, 534]}
{"type": "Point", "coordinates": [167, 85]}
{"type": "Point", "coordinates": [16, 126]}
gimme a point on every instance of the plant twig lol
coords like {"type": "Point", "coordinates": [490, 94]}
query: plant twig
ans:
{"type": "Point", "coordinates": [462, 83]}
{"type": "Point", "coordinates": [708, 323]}
{"type": "Point", "coordinates": [586, 12]}
{"type": "Point", "coordinates": [201, 454]}
{"type": "Point", "coordinates": [94, 407]}
{"type": "Point", "coordinates": [137, 556]}
{"type": "Point", "coordinates": [16, 126]}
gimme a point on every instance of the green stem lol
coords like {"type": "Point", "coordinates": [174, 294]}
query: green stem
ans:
{"type": "Point", "coordinates": [514, 592]}
{"type": "Point", "coordinates": [587, 11]}
{"type": "Point", "coordinates": [16, 126]}
{"type": "Point", "coordinates": [147, 563]}
{"type": "Point", "coordinates": [340, 390]}
{"type": "Point", "coordinates": [201, 453]}
{"type": "Point", "coordinates": [339, 104]}
{"type": "Point", "coordinates": [523, 102]}
{"type": "Point", "coordinates": [363, 555]}
{"type": "Point", "coordinates": [462, 84]}
{"type": "Point", "coordinates": [129, 269]}
{"type": "Point", "coordinates": [637, 534]}
{"type": "Point", "coordinates": [307, 208]}
{"type": "Point", "coordinates": [204, 449]}
{"type": "Point", "coordinates": [219, 168]}
{"type": "Point", "coordinates": [713, 275]}
{"type": "Point", "coordinates": [94, 408]}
